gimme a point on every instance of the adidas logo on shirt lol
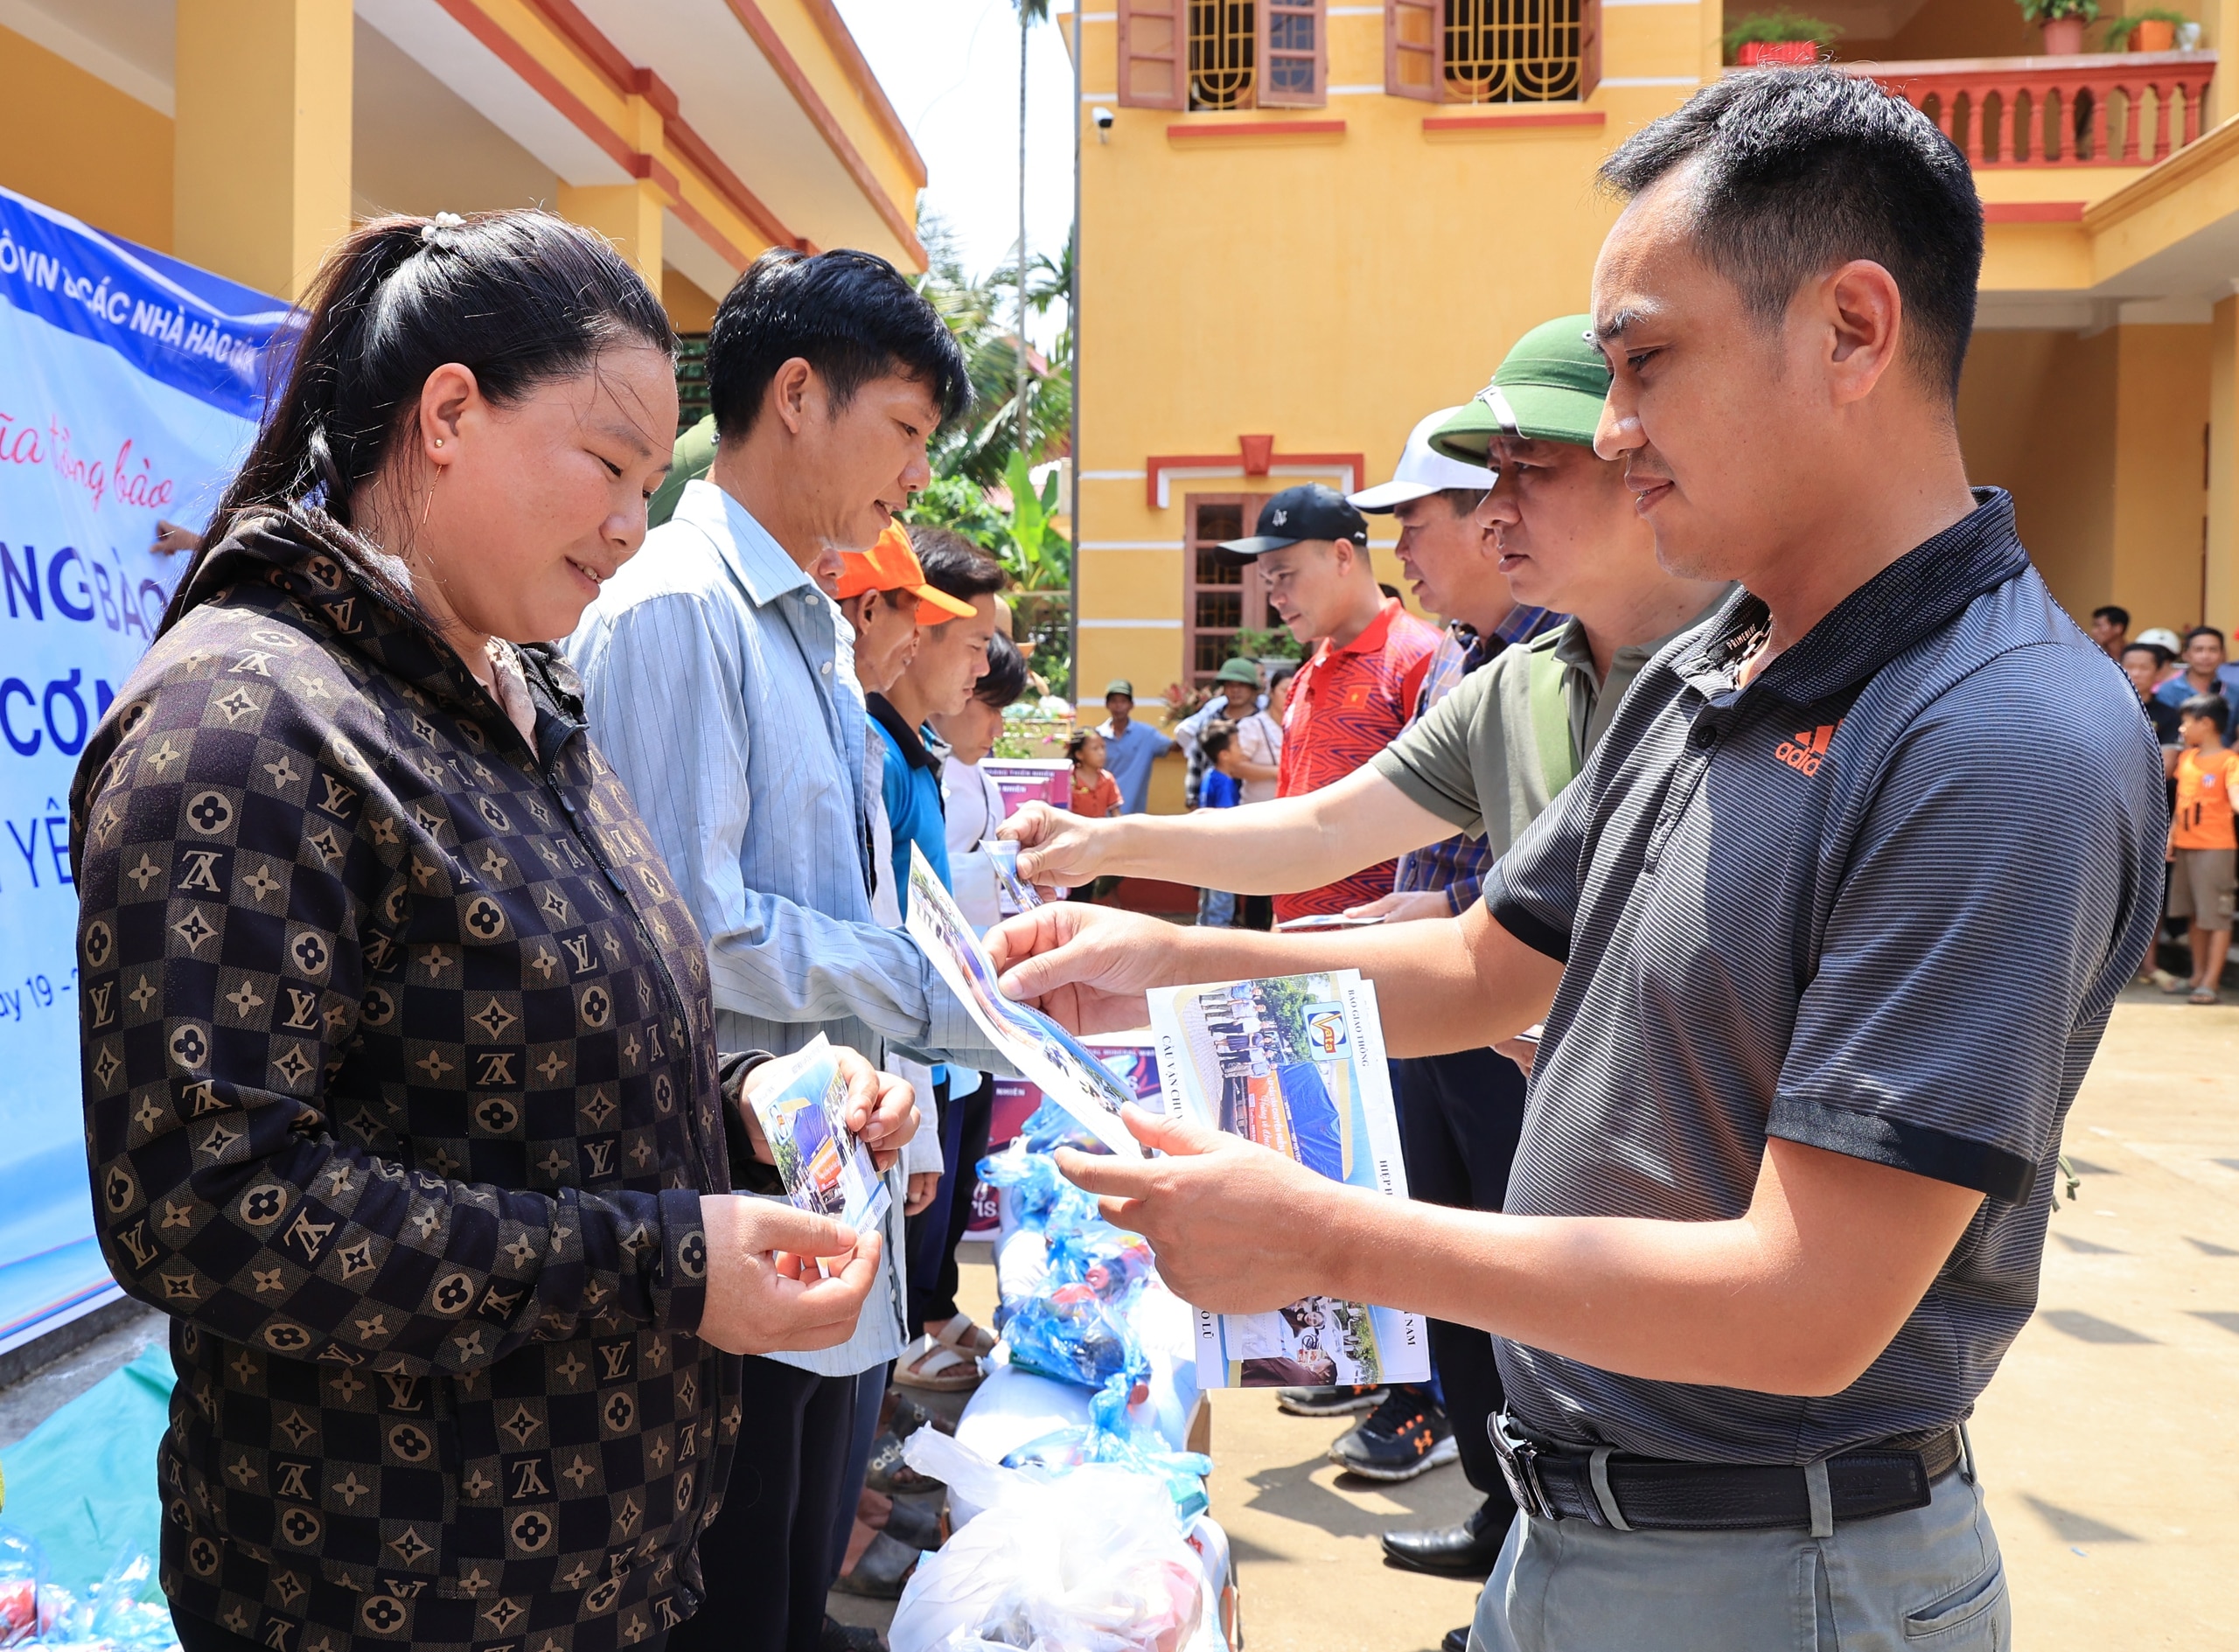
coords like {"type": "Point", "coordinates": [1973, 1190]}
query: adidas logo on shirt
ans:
{"type": "Point", "coordinates": [1803, 752]}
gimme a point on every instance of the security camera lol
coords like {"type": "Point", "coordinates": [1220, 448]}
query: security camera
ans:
{"type": "Point", "coordinates": [1103, 118]}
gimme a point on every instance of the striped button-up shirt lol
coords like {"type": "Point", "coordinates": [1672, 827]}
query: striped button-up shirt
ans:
{"type": "Point", "coordinates": [1457, 864]}
{"type": "Point", "coordinates": [720, 683]}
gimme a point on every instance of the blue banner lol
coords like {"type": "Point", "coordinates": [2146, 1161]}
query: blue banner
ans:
{"type": "Point", "coordinates": [129, 388]}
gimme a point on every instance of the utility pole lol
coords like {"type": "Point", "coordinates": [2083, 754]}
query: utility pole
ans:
{"type": "Point", "coordinates": [1025, 16]}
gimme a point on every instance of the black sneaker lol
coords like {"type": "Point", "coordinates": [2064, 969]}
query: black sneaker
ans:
{"type": "Point", "coordinates": [1327, 1402]}
{"type": "Point", "coordinates": [1406, 1435]}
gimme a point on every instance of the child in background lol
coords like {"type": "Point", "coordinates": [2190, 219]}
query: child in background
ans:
{"type": "Point", "coordinates": [1095, 792]}
{"type": "Point", "coordinates": [974, 803]}
{"type": "Point", "coordinates": [1222, 788]}
{"type": "Point", "coordinates": [2202, 840]}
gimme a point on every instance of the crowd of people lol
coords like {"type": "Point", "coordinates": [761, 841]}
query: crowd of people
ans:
{"type": "Point", "coordinates": [427, 961]}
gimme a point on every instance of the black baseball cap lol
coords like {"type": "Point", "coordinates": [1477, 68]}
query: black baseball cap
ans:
{"type": "Point", "coordinates": [1309, 511]}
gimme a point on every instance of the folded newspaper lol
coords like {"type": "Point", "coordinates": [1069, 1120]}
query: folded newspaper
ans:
{"type": "Point", "coordinates": [801, 1103]}
{"type": "Point", "coordinates": [1295, 1065]}
{"type": "Point", "coordinates": [1068, 1072]}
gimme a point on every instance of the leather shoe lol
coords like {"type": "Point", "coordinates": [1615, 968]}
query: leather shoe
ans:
{"type": "Point", "coordinates": [1456, 1639]}
{"type": "Point", "coordinates": [1466, 1551]}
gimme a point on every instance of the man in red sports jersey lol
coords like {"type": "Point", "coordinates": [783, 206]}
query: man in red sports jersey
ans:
{"type": "Point", "coordinates": [1358, 691]}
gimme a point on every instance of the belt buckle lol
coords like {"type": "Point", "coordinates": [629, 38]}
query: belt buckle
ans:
{"type": "Point", "coordinates": [1519, 1461]}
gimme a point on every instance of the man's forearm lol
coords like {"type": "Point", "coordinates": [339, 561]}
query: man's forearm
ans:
{"type": "Point", "coordinates": [1776, 1300]}
{"type": "Point", "coordinates": [1459, 984]}
{"type": "Point", "coordinates": [1274, 847]}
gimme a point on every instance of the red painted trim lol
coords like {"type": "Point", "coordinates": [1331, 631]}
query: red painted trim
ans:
{"type": "Point", "coordinates": [604, 57]}
{"type": "Point", "coordinates": [836, 34]}
{"type": "Point", "coordinates": [548, 86]}
{"type": "Point", "coordinates": [1159, 463]}
{"type": "Point", "coordinates": [1254, 128]}
{"type": "Point", "coordinates": [1495, 123]}
{"type": "Point", "coordinates": [691, 148]}
{"type": "Point", "coordinates": [2033, 212]}
{"type": "Point", "coordinates": [590, 43]}
{"type": "Point", "coordinates": [819, 113]}
{"type": "Point", "coordinates": [697, 221]}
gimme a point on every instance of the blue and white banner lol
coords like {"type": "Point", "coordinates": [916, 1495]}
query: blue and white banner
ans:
{"type": "Point", "coordinates": [129, 388]}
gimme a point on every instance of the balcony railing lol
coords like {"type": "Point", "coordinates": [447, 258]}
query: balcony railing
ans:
{"type": "Point", "coordinates": [2111, 109]}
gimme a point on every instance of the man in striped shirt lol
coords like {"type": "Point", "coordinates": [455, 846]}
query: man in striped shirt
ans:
{"type": "Point", "coordinates": [1816, 1002]}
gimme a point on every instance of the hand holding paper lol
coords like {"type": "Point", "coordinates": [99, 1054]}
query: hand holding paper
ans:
{"type": "Point", "coordinates": [1209, 1207]}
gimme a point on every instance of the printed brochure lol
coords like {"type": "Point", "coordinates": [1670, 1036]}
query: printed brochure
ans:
{"type": "Point", "coordinates": [1069, 1073]}
{"type": "Point", "coordinates": [802, 1109]}
{"type": "Point", "coordinates": [1296, 1064]}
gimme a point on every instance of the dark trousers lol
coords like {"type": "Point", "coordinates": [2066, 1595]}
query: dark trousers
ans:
{"type": "Point", "coordinates": [1460, 1116]}
{"type": "Point", "coordinates": [870, 1393]}
{"type": "Point", "coordinates": [934, 1232]}
{"type": "Point", "coordinates": [766, 1562]}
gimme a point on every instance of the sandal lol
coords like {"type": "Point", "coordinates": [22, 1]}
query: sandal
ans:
{"type": "Point", "coordinates": [880, 1575]}
{"type": "Point", "coordinates": [2205, 995]}
{"type": "Point", "coordinates": [901, 1416]}
{"type": "Point", "coordinates": [916, 1523]}
{"type": "Point", "coordinates": [2176, 984]}
{"type": "Point", "coordinates": [948, 1363]}
{"type": "Point", "coordinates": [850, 1637]}
{"type": "Point", "coordinates": [891, 1473]}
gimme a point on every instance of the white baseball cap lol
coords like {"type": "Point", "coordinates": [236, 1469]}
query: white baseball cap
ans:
{"type": "Point", "coordinates": [1421, 471]}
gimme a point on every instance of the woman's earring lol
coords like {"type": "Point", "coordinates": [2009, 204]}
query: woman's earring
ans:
{"type": "Point", "coordinates": [439, 442]}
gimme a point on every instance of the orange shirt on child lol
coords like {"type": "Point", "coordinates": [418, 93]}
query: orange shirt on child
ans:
{"type": "Point", "coordinates": [1098, 800]}
{"type": "Point", "coordinates": [2205, 780]}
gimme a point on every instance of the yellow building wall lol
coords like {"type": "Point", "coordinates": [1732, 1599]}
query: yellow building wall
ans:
{"type": "Point", "coordinates": [1327, 289]}
{"type": "Point", "coordinates": [2101, 442]}
{"type": "Point", "coordinates": [81, 146]}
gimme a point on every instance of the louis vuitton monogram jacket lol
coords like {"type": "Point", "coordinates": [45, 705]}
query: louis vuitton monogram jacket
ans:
{"type": "Point", "coordinates": [400, 1095]}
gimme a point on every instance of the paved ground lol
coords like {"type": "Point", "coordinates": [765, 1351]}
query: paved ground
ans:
{"type": "Point", "coordinates": [2110, 1440]}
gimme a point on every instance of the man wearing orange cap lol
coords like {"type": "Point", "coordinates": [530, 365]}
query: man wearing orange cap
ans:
{"type": "Point", "coordinates": [883, 593]}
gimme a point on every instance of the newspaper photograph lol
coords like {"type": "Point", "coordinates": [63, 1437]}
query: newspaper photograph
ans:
{"type": "Point", "coordinates": [1296, 1064]}
{"type": "Point", "coordinates": [802, 1109]}
{"type": "Point", "coordinates": [1068, 1072]}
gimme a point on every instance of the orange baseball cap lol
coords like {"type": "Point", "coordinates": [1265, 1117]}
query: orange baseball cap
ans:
{"type": "Point", "coordinates": [890, 564]}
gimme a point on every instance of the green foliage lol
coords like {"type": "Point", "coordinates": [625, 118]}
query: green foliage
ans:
{"type": "Point", "coordinates": [1038, 559]}
{"type": "Point", "coordinates": [983, 314]}
{"type": "Point", "coordinates": [1775, 27]}
{"type": "Point", "coordinates": [1278, 643]}
{"type": "Point", "coordinates": [2055, 10]}
{"type": "Point", "coordinates": [2119, 32]}
{"type": "Point", "coordinates": [953, 502]}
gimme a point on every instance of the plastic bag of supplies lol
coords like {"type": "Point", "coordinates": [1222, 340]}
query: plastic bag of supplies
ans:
{"type": "Point", "coordinates": [1113, 1436]}
{"type": "Point", "coordinates": [1094, 1561]}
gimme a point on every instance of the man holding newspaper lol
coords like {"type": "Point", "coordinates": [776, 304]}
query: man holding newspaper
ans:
{"type": "Point", "coordinates": [1773, 1221]}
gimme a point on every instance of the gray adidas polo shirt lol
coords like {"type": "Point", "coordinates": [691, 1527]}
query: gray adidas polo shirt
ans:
{"type": "Point", "coordinates": [1827, 908]}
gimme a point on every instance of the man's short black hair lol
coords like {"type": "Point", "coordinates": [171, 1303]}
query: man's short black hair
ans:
{"type": "Point", "coordinates": [1005, 678]}
{"type": "Point", "coordinates": [2212, 706]}
{"type": "Point", "coordinates": [954, 566]}
{"type": "Point", "coordinates": [2203, 631]}
{"type": "Point", "coordinates": [848, 315]}
{"type": "Point", "coordinates": [2161, 656]}
{"type": "Point", "coordinates": [1800, 171]}
{"type": "Point", "coordinates": [2118, 618]}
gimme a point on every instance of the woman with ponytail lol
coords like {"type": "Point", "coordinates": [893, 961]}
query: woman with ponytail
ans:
{"type": "Point", "coordinates": [402, 1096]}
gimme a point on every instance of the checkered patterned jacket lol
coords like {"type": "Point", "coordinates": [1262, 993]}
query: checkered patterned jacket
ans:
{"type": "Point", "coordinates": [399, 1093]}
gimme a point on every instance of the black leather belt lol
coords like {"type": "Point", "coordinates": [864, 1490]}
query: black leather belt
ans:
{"type": "Point", "coordinates": [1650, 1494]}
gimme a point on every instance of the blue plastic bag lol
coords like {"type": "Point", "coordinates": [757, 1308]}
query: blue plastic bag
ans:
{"type": "Point", "coordinates": [1071, 1334]}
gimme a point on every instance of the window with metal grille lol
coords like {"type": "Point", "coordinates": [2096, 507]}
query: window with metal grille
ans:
{"type": "Point", "coordinates": [1221, 596]}
{"type": "Point", "coordinates": [691, 403]}
{"type": "Point", "coordinates": [1492, 51]}
{"type": "Point", "coordinates": [1223, 42]}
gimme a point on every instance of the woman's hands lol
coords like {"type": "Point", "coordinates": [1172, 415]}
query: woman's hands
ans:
{"type": "Point", "coordinates": [764, 1292]}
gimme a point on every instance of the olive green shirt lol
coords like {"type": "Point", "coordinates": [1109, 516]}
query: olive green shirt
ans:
{"type": "Point", "coordinates": [1474, 759]}
{"type": "Point", "coordinates": [693, 454]}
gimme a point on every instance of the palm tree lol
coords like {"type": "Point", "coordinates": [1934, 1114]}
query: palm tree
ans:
{"type": "Point", "coordinates": [1029, 13]}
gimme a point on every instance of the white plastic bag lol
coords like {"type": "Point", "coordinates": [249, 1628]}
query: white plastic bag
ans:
{"type": "Point", "coordinates": [1092, 1562]}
